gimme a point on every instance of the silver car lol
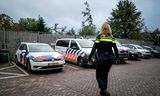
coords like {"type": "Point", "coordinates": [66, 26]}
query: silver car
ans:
{"type": "Point", "coordinates": [141, 52]}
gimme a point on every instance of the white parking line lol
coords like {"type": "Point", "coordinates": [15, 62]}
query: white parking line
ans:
{"type": "Point", "coordinates": [21, 69]}
{"type": "Point", "coordinates": [7, 73]}
{"type": "Point", "coordinates": [15, 74]}
{"type": "Point", "coordinates": [7, 67]}
{"type": "Point", "coordinates": [8, 77]}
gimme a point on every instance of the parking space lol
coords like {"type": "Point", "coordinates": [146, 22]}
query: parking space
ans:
{"type": "Point", "coordinates": [135, 78]}
{"type": "Point", "coordinates": [12, 71]}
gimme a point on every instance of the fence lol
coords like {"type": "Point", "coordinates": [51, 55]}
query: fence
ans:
{"type": "Point", "coordinates": [11, 39]}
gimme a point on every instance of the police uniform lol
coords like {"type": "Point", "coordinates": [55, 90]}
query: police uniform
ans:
{"type": "Point", "coordinates": [103, 45]}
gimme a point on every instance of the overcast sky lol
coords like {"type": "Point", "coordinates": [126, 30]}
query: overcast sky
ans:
{"type": "Point", "coordinates": [68, 12]}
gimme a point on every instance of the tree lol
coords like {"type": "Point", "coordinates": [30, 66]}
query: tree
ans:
{"type": "Point", "coordinates": [146, 35]}
{"type": "Point", "coordinates": [6, 21]}
{"type": "Point", "coordinates": [41, 26]}
{"type": "Point", "coordinates": [88, 28]}
{"type": "Point", "coordinates": [126, 21]}
{"type": "Point", "coordinates": [155, 36]}
{"type": "Point", "coordinates": [71, 32]}
{"type": "Point", "coordinates": [27, 24]}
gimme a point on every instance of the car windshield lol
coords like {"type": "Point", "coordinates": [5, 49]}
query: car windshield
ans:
{"type": "Point", "coordinates": [118, 44]}
{"type": "Point", "coordinates": [85, 43]}
{"type": "Point", "coordinates": [149, 48]}
{"type": "Point", "coordinates": [40, 48]}
{"type": "Point", "coordinates": [138, 47]}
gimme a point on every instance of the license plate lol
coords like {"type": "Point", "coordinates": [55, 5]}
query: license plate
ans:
{"type": "Point", "coordinates": [53, 64]}
{"type": "Point", "coordinates": [125, 58]}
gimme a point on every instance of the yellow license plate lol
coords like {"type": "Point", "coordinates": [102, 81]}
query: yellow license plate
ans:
{"type": "Point", "coordinates": [53, 64]}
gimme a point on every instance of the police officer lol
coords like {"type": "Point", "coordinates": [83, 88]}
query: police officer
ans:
{"type": "Point", "coordinates": [104, 54]}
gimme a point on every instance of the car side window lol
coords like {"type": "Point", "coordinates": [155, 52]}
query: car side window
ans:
{"type": "Point", "coordinates": [25, 47]}
{"type": "Point", "coordinates": [74, 45]}
{"type": "Point", "coordinates": [63, 43]}
{"type": "Point", "coordinates": [132, 47]}
{"type": "Point", "coordinates": [21, 47]}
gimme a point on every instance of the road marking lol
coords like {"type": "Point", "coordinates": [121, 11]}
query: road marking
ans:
{"type": "Point", "coordinates": [73, 67]}
{"type": "Point", "coordinates": [21, 69]}
{"type": "Point", "coordinates": [7, 67]}
{"type": "Point", "coordinates": [8, 77]}
{"type": "Point", "coordinates": [7, 73]}
{"type": "Point", "coordinates": [15, 74]}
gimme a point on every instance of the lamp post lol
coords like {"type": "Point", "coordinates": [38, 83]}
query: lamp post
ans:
{"type": "Point", "coordinates": [3, 29]}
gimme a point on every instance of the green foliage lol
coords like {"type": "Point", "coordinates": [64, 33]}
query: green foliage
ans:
{"type": "Point", "coordinates": [71, 32]}
{"type": "Point", "coordinates": [5, 21]}
{"type": "Point", "coordinates": [41, 26]}
{"type": "Point", "coordinates": [156, 36]}
{"type": "Point", "coordinates": [24, 24]}
{"type": "Point", "coordinates": [27, 24]}
{"type": "Point", "coordinates": [88, 28]}
{"type": "Point", "coordinates": [126, 21]}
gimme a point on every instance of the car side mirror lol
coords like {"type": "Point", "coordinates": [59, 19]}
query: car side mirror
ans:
{"type": "Point", "coordinates": [23, 51]}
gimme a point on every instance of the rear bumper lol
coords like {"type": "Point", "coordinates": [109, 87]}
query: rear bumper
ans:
{"type": "Point", "coordinates": [123, 56]}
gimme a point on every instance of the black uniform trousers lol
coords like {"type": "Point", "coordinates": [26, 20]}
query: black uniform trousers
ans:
{"type": "Point", "coordinates": [102, 70]}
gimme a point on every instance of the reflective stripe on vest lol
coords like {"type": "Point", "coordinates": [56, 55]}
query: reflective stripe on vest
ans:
{"type": "Point", "coordinates": [105, 39]}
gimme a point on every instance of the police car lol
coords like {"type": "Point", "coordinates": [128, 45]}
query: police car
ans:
{"type": "Point", "coordinates": [75, 50]}
{"type": "Point", "coordinates": [39, 56]}
{"type": "Point", "coordinates": [122, 50]}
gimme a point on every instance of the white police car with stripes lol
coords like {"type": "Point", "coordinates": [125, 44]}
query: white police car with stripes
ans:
{"type": "Point", "coordinates": [39, 56]}
{"type": "Point", "coordinates": [75, 50]}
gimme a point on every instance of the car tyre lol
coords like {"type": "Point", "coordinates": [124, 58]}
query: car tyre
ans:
{"type": "Point", "coordinates": [29, 67]}
{"type": "Point", "coordinates": [81, 61]}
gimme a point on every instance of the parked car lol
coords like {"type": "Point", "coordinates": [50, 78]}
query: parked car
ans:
{"type": "Point", "coordinates": [155, 53]}
{"type": "Point", "coordinates": [141, 52]}
{"type": "Point", "coordinates": [156, 47]}
{"type": "Point", "coordinates": [39, 56]}
{"type": "Point", "coordinates": [133, 54]}
{"type": "Point", "coordinates": [75, 50]}
{"type": "Point", "coordinates": [122, 50]}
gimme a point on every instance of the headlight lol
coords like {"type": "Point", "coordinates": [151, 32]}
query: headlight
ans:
{"type": "Point", "coordinates": [36, 59]}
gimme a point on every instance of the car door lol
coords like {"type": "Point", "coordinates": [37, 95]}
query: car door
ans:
{"type": "Point", "coordinates": [74, 48]}
{"type": "Point", "coordinates": [61, 46]}
{"type": "Point", "coordinates": [22, 50]}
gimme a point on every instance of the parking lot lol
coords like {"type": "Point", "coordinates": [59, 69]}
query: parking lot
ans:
{"type": "Point", "coordinates": [135, 78]}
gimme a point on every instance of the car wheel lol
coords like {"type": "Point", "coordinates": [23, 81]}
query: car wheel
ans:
{"type": "Point", "coordinates": [80, 61]}
{"type": "Point", "coordinates": [29, 67]}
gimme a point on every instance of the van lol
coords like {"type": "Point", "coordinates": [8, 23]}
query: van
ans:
{"type": "Point", "coordinates": [75, 50]}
